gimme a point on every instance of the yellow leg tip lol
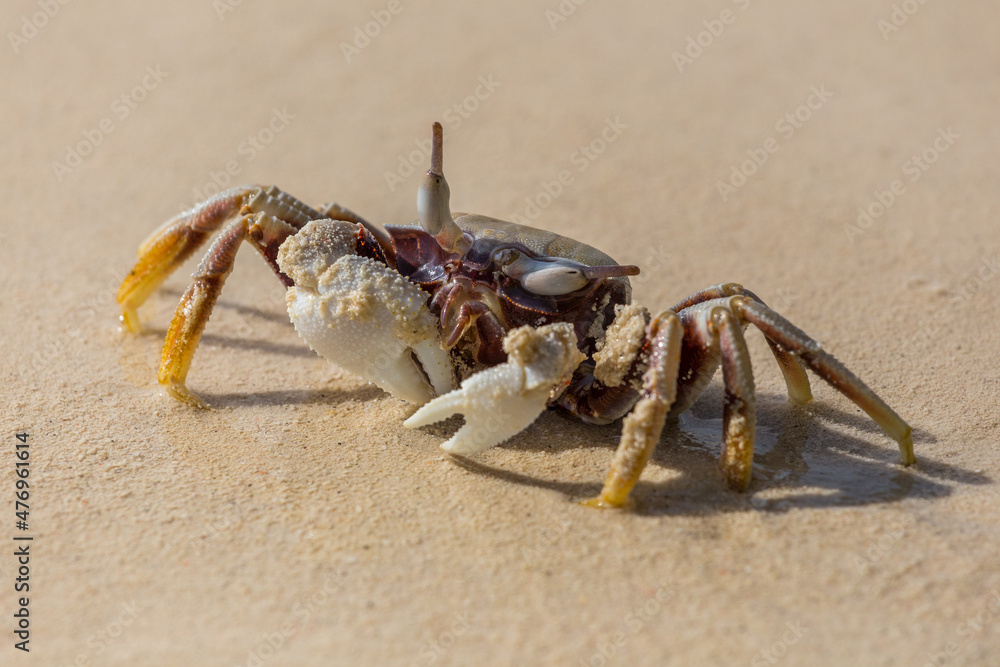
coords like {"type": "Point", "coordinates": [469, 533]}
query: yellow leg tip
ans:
{"type": "Point", "coordinates": [738, 475]}
{"type": "Point", "coordinates": [130, 320]}
{"type": "Point", "coordinates": [738, 484]}
{"type": "Point", "coordinates": [606, 503]}
{"type": "Point", "coordinates": [906, 456]}
{"type": "Point", "coordinates": [800, 399]}
{"type": "Point", "coordinates": [180, 392]}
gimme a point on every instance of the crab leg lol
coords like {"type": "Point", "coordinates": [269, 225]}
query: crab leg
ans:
{"type": "Point", "coordinates": [170, 245]}
{"type": "Point", "coordinates": [176, 239]}
{"type": "Point", "coordinates": [796, 380]}
{"type": "Point", "coordinates": [708, 294]}
{"type": "Point", "coordinates": [641, 429]}
{"type": "Point", "coordinates": [738, 412]}
{"type": "Point", "coordinates": [795, 376]}
{"type": "Point", "coordinates": [827, 367]}
{"type": "Point", "coordinates": [266, 233]}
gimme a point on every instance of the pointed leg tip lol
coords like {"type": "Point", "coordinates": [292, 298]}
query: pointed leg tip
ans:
{"type": "Point", "coordinates": [906, 456]}
{"type": "Point", "coordinates": [605, 502]}
{"type": "Point", "coordinates": [800, 399]}
{"type": "Point", "coordinates": [129, 321]}
{"type": "Point", "coordinates": [178, 391]}
{"type": "Point", "coordinates": [737, 482]}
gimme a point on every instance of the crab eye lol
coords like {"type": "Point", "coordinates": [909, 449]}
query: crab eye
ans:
{"type": "Point", "coordinates": [553, 277]}
{"type": "Point", "coordinates": [554, 281]}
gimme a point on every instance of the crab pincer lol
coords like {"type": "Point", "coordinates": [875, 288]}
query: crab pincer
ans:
{"type": "Point", "coordinates": [362, 315]}
{"type": "Point", "coordinates": [502, 401]}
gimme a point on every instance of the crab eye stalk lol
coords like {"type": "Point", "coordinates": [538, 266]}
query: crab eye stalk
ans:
{"type": "Point", "coordinates": [433, 209]}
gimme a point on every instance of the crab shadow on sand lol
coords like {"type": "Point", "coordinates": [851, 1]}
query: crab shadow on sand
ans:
{"type": "Point", "coordinates": [273, 312]}
{"type": "Point", "coordinates": [330, 398]}
{"type": "Point", "coordinates": [803, 459]}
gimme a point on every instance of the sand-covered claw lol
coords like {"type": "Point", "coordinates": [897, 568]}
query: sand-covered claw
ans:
{"type": "Point", "coordinates": [501, 401]}
{"type": "Point", "coordinates": [363, 316]}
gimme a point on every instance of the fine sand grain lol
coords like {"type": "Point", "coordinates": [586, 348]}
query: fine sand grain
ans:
{"type": "Point", "coordinates": [839, 159]}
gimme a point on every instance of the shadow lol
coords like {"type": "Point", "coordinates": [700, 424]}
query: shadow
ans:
{"type": "Point", "coordinates": [280, 317]}
{"type": "Point", "coordinates": [801, 460]}
{"type": "Point", "coordinates": [240, 343]}
{"type": "Point", "coordinates": [300, 350]}
{"type": "Point", "coordinates": [292, 397]}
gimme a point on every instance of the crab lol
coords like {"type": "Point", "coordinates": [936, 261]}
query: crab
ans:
{"type": "Point", "coordinates": [494, 320]}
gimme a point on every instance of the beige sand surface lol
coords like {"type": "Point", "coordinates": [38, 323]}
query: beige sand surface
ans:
{"type": "Point", "coordinates": [298, 523]}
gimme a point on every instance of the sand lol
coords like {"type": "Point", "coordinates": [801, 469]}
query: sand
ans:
{"type": "Point", "coordinates": [299, 523]}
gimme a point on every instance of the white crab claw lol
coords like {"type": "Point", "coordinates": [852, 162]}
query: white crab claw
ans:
{"type": "Point", "coordinates": [363, 316]}
{"type": "Point", "coordinates": [502, 401]}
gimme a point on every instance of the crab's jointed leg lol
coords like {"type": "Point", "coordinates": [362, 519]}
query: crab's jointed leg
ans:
{"type": "Point", "coordinates": [714, 335]}
{"type": "Point", "coordinates": [708, 332]}
{"type": "Point", "coordinates": [170, 245]}
{"type": "Point", "coordinates": [178, 238]}
{"type": "Point", "coordinates": [641, 429]}
{"type": "Point", "coordinates": [795, 376]}
{"type": "Point", "coordinates": [811, 353]}
{"type": "Point", "coordinates": [738, 411]}
{"type": "Point", "coordinates": [267, 216]}
{"type": "Point", "coordinates": [266, 233]}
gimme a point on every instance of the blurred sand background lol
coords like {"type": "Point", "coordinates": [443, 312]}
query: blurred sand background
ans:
{"type": "Point", "coordinates": [299, 523]}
